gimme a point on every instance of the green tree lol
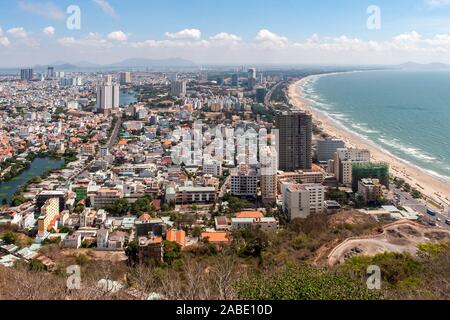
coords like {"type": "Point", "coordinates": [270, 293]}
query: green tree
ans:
{"type": "Point", "coordinates": [172, 252]}
{"type": "Point", "coordinates": [301, 282]}
{"type": "Point", "coordinates": [142, 206]}
{"type": "Point", "coordinates": [249, 242]}
{"type": "Point", "coordinates": [17, 200]}
{"type": "Point", "coordinates": [81, 259]}
{"type": "Point", "coordinates": [119, 208]}
{"type": "Point", "coordinates": [131, 251]}
{"type": "Point", "coordinates": [37, 266]}
{"type": "Point", "coordinates": [9, 237]}
{"type": "Point", "coordinates": [197, 231]}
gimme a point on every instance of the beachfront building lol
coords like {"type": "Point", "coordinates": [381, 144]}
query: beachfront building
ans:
{"type": "Point", "coordinates": [294, 140]}
{"type": "Point", "coordinates": [326, 149]}
{"type": "Point", "coordinates": [344, 159]}
{"type": "Point", "coordinates": [371, 190]}
{"type": "Point", "coordinates": [379, 171]}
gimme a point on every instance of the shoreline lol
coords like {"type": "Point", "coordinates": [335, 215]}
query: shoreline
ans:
{"type": "Point", "coordinates": [428, 184]}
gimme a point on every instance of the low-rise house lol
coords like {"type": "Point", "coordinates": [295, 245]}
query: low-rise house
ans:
{"type": "Point", "coordinates": [102, 238]}
{"type": "Point", "coordinates": [117, 240]}
{"type": "Point", "coordinates": [178, 236]}
{"type": "Point", "coordinates": [222, 223]}
{"type": "Point", "coordinates": [72, 241]}
{"type": "Point", "coordinates": [216, 237]}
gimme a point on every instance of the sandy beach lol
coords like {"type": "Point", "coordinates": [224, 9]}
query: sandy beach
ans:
{"type": "Point", "coordinates": [429, 185]}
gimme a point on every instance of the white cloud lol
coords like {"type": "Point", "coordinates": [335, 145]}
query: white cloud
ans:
{"type": "Point", "coordinates": [118, 36]}
{"type": "Point", "coordinates": [186, 34]}
{"type": "Point", "coordinates": [106, 7]}
{"type": "Point", "coordinates": [432, 4]}
{"type": "Point", "coordinates": [49, 31]}
{"type": "Point", "coordinates": [91, 40]}
{"type": "Point", "coordinates": [47, 10]}
{"type": "Point", "coordinates": [164, 44]}
{"type": "Point", "coordinates": [268, 37]}
{"type": "Point", "coordinates": [4, 41]}
{"type": "Point", "coordinates": [412, 36]}
{"type": "Point", "coordinates": [19, 33]}
{"type": "Point", "coordinates": [223, 36]}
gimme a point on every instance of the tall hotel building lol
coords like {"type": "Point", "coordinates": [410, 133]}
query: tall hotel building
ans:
{"type": "Point", "coordinates": [125, 78]}
{"type": "Point", "coordinates": [294, 140]}
{"type": "Point", "coordinates": [26, 74]}
{"type": "Point", "coordinates": [108, 95]}
{"type": "Point", "coordinates": [178, 88]}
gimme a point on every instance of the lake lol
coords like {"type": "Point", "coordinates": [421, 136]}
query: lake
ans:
{"type": "Point", "coordinates": [127, 97]}
{"type": "Point", "coordinates": [36, 169]}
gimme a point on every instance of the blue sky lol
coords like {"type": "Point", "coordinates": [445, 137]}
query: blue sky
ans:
{"type": "Point", "coordinates": [294, 31]}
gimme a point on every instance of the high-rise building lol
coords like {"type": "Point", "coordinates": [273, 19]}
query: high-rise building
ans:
{"type": "Point", "coordinates": [244, 181]}
{"type": "Point", "coordinates": [108, 95]}
{"type": "Point", "coordinates": [50, 72]}
{"type": "Point", "coordinates": [344, 160]}
{"type": "Point", "coordinates": [252, 73]}
{"type": "Point", "coordinates": [269, 168]}
{"type": "Point", "coordinates": [125, 78]}
{"type": "Point", "coordinates": [260, 95]}
{"type": "Point", "coordinates": [27, 74]}
{"type": "Point", "coordinates": [235, 80]}
{"type": "Point", "coordinates": [251, 80]}
{"type": "Point", "coordinates": [178, 88]}
{"type": "Point", "coordinates": [326, 148]}
{"type": "Point", "coordinates": [294, 140]}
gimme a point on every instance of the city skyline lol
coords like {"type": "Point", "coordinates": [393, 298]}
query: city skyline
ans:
{"type": "Point", "coordinates": [268, 32]}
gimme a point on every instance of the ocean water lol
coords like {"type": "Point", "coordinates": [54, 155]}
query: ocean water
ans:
{"type": "Point", "coordinates": [406, 113]}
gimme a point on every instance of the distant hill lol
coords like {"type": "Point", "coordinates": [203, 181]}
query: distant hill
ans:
{"type": "Point", "coordinates": [427, 66]}
{"type": "Point", "coordinates": [58, 66]}
{"type": "Point", "coordinates": [128, 63]}
{"type": "Point", "coordinates": [143, 62]}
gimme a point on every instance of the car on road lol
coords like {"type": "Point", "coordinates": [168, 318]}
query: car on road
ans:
{"type": "Point", "coordinates": [447, 222]}
{"type": "Point", "coordinates": [438, 219]}
{"type": "Point", "coordinates": [431, 212]}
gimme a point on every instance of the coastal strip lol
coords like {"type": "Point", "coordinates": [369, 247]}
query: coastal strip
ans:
{"type": "Point", "coordinates": [430, 186]}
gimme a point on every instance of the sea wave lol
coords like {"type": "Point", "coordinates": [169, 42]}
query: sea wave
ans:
{"type": "Point", "coordinates": [413, 151]}
{"type": "Point", "coordinates": [339, 121]}
{"type": "Point", "coordinates": [363, 128]}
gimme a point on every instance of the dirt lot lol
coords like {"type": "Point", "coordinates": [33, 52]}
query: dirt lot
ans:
{"type": "Point", "coordinates": [401, 237]}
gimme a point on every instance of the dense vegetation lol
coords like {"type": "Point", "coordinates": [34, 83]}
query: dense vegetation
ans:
{"type": "Point", "coordinates": [288, 265]}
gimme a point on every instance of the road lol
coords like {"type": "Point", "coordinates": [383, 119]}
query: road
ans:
{"type": "Point", "coordinates": [111, 142]}
{"type": "Point", "coordinates": [269, 94]}
{"type": "Point", "coordinates": [113, 137]}
{"type": "Point", "coordinates": [223, 189]}
{"type": "Point", "coordinates": [405, 199]}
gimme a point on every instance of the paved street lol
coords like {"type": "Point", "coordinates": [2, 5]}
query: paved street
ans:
{"type": "Point", "coordinates": [405, 199]}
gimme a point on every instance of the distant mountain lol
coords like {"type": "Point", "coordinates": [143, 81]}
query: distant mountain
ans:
{"type": "Point", "coordinates": [57, 66]}
{"type": "Point", "coordinates": [86, 64]}
{"type": "Point", "coordinates": [128, 63]}
{"type": "Point", "coordinates": [143, 62]}
{"type": "Point", "coordinates": [428, 66]}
